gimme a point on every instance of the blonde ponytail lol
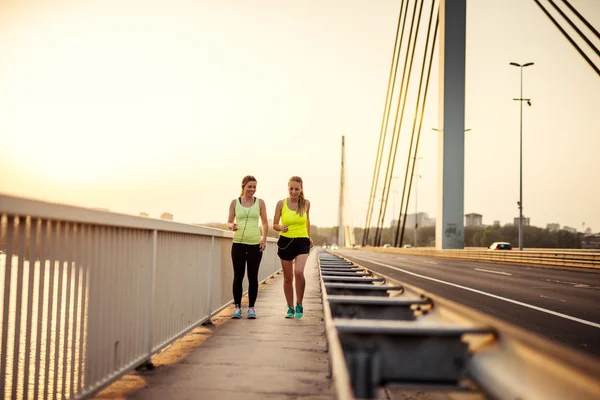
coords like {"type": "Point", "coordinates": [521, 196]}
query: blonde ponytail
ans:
{"type": "Point", "coordinates": [301, 203]}
{"type": "Point", "coordinates": [301, 199]}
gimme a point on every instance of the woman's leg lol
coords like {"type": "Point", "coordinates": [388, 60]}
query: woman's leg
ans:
{"type": "Point", "coordinates": [254, 257]}
{"type": "Point", "coordinates": [299, 276]}
{"type": "Point", "coordinates": [288, 278]}
{"type": "Point", "coordinates": [238, 257]}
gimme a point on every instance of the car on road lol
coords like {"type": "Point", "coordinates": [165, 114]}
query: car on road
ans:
{"type": "Point", "coordinates": [500, 246]}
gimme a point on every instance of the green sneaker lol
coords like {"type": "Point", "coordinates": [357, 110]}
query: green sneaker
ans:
{"type": "Point", "coordinates": [290, 312]}
{"type": "Point", "coordinates": [299, 311]}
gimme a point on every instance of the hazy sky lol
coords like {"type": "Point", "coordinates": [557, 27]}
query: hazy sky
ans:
{"type": "Point", "coordinates": [165, 105]}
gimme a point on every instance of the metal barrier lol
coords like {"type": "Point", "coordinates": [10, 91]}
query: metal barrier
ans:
{"type": "Point", "coordinates": [393, 335]}
{"type": "Point", "coordinates": [89, 295]}
{"type": "Point", "coordinates": [545, 258]}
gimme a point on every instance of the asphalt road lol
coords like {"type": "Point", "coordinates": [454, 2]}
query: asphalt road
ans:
{"type": "Point", "coordinates": [563, 305]}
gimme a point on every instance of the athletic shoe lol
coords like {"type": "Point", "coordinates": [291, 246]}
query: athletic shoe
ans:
{"type": "Point", "coordinates": [251, 313]}
{"type": "Point", "coordinates": [299, 311]}
{"type": "Point", "coordinates": [290, 312]}
{"type": "Point", "coordinates": [237, 313]}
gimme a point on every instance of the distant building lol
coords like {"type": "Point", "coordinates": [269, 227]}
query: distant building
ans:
{"type": "Point", "coordinates": [496, 224]}
{"type": "Point", "coordinates": [167, 216]}
{"type": "Point", "coordinates": [525, 221]}
{"type": "Point", "coordinates": [473, 219]}
{"type": "Point", "coordinates": [591, 241]}
{"type": "Point", "coordinates": [428, 222]}
{"type": "Point", "coordinates": [144, 214]}
{"type": "Point", "coordinates": [569, 229]}
{"type": "Point", "coordinates": [553, 227]}
{"type": "Point", "coordinates": [422, 220]}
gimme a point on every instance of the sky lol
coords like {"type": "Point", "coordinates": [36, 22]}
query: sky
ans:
{"type": "Point", "coordinates": [164, 106]}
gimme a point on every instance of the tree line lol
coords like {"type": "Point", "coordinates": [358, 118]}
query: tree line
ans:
{"type": "Point", "coordinates": [483, 236]}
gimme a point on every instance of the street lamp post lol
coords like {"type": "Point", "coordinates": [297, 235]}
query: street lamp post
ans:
{"type": "Point", "coordinates": [394, 192]}
{"type": "Point", "coordinates": [416, 197]}
{"type": "Point", "coordinates": [379, 232]}
{"type": "Point", "coordinates": [521, 100]}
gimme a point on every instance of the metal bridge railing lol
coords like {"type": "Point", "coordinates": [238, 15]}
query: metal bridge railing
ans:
{"type": "Point", "coordinates": [87, 295]}
{"type": "Point", "coordinates": [390, 335]}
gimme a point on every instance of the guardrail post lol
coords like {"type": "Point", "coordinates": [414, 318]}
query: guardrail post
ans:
{"type": "Point", "coordinates": [210, 265]}
{"type": "Point", "coordinates": [150, 327]}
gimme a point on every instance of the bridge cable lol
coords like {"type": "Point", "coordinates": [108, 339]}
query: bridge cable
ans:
{"type": "Point", "coordinates": [581, 52]}
{"type": "Point", "coordinates": [389, 113]}
{"type": "Point", "coordinates": [392, 159]}
{"type": "Point", "coordinates": [383, 131]}
{"type": "Point", "coordinates": [417, 113]}
{"type": "Point", "coordinates": [377, 238]}
{"type": "Point", "coordinates": [396, 137]}
{"type": "Point", "coordinates": [594, 48]}
{"type": "Point", "coordinates": [590, 27]}
{"type": "Point", "coordinates": [422, 113]}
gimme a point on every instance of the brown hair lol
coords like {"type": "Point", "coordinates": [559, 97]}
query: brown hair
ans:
{"type": "Point", "coordinates": [247, 178]}
{"type": "Point", "coordinates": [301, 200]}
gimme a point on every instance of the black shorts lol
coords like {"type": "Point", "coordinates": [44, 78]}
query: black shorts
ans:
{"type": "Point", "coordinates": [290, 248]}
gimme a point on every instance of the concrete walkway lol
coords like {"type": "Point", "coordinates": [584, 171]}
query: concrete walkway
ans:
{"type": "Point", "coordinates": [267, 358]}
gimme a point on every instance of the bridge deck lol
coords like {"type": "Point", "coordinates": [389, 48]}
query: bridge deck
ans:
{"type": "Point", "coordinates": [267, 358]}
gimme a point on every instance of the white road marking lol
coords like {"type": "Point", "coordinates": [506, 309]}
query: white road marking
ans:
{"type": "Point", "coordinates": [575, 284]}
{"type": "Point", "coordinates": [565, 316]}
{"type": "Point", "coordinates": [430, 262]}
{"type": "Point", "coordinates": [493, 272]}
{"type": "Point", "coordinates": [554, 280]}
{"type": "Point", "coordinates": [552, 298]}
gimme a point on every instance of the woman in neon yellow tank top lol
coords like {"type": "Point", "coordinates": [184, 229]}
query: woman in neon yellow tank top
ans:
{"type": "Point", "coordinates": [294, 243]}
{"type": "Point", "coordinates": [248, 244]}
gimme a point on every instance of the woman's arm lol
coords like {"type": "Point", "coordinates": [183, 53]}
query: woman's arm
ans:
{"type": "Point", "coordinates": [265, 224]}
{"type": "Point", "coordinates": [308, 222]}
{"type": "Point", "coordinates": [230, 224]}
{"type": "Point", "coordinates": [277, 217]}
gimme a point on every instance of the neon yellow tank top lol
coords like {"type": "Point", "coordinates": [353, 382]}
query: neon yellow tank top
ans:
{"type": "Point", "coordinates": [246, 219]}
{"type": "Point", "coordinates": [296, 224]}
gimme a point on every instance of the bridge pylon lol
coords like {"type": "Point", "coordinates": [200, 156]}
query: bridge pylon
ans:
{"type": "Point", "coordinates": [345, 232]}
{"type": "Point", "coordinates": [449, 231]}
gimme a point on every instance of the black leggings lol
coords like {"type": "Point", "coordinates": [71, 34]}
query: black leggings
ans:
{"type": "Point", "coordinates": [240, 255]}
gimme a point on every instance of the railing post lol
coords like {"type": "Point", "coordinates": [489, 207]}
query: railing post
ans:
{"type": "Point", "coordinates": [150, 327]}
{"type": "Point", "coordinates": [210, 265]}
{"type": "Point", "coordinates": [10, 225]}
